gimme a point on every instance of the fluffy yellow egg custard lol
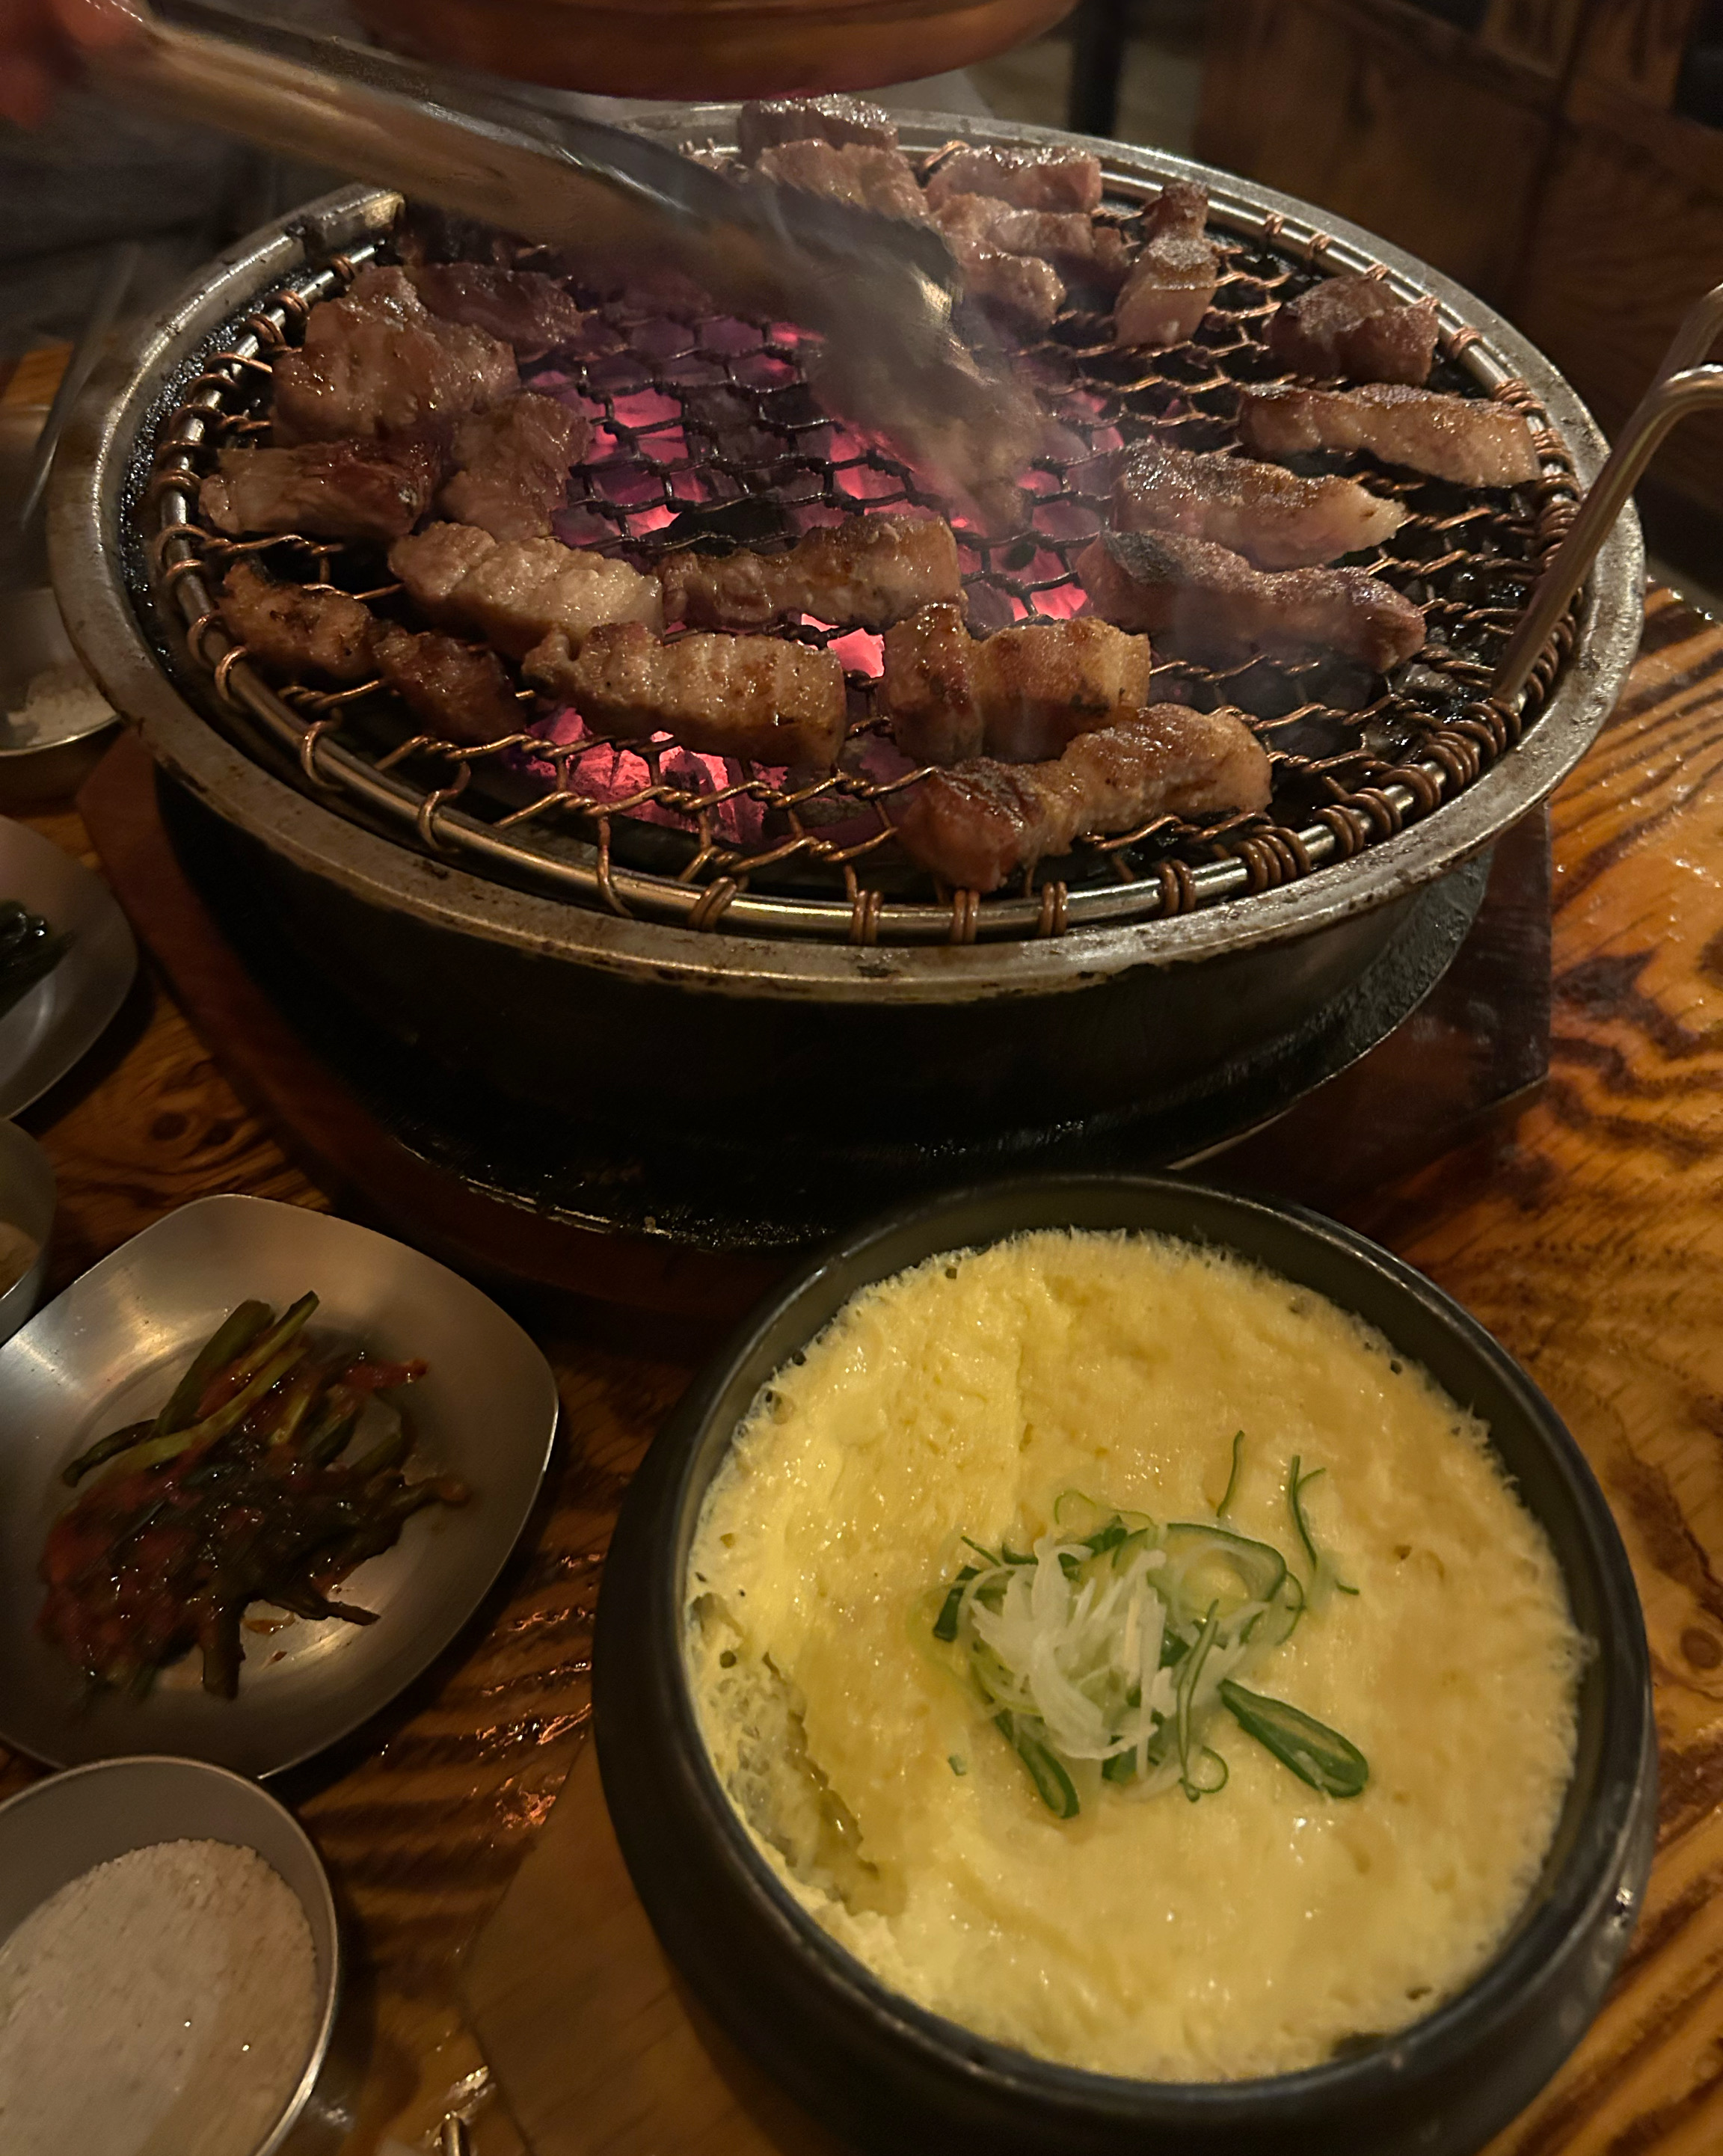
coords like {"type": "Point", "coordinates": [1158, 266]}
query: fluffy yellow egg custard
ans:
{"type": "Point", "coordinates": [1122, 1652]}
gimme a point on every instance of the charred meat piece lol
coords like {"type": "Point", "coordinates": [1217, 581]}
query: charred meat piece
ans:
{"type": "Point", "coordinates": [1207, 604]}
{"type": "Point", "coordinates": [374, 362]}
{"type": "Point", "coordinates": [1471, 440]}
{"type": "Point", "coordinates": [514, 593]}
{"type": "Point", "coordinates": [297, 628]}
{"type": "Point", "coordinates": [758, 698]}
{"type": "Point", "coordinates": [1172, 283]}
{"type": "Point", "coordinates": [1272, 517]}
{"type": "Point", "coordinates": [981, 823]}
{"type": "Point", "coordinates": [1020, 694]}
{"type": "Point", "coordinates": [872, 179]}
{"type": "Point", "coordinates": [1076, 244]}
{"type": "Point", "coordinates": [866, 572]}
{"type": "Point", "coordinates": [327, 489]}
{"type": "Point", "coordinates": [1026, 290]}
{"type": "Point", "coordinates": [763, 123]}
{"type": "Point", "coordinates": [1354, 327]}
{"type": "Point", "coordinates": [521, 308]}
{"type": "Point", "coordinates": [458, 691]}
{"type": "Point", "coordinates": [1033, 179]}
{"type": "Point", "coordinates": [511, 466]}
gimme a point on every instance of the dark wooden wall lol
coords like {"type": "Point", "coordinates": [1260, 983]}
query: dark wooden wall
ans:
{"type": "Point", "coordinates": [1538, 158]}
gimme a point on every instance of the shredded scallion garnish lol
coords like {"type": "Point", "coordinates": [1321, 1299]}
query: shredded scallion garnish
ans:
{"type": "Point", "coordinates": [1108, 1649]}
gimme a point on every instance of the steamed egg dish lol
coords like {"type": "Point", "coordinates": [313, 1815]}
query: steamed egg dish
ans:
{"type": "Point", "coordinates": [1126, 1654]}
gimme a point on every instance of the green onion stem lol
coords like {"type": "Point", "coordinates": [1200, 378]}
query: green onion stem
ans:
{"type": "Point", "coordinates": [1220, 1509]}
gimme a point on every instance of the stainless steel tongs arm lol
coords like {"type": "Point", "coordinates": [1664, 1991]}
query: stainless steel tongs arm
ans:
{"type": "Point", "coordinates": [1683, 384]}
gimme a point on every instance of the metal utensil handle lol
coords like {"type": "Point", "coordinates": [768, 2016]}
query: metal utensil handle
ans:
{"type": "Point", "coordinates": [1681, 385]}
{"type": "Point", "coordinates": [396, 131]}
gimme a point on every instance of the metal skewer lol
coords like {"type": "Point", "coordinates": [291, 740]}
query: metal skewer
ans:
{"type": "Point", "coordinates": [1683, 384]}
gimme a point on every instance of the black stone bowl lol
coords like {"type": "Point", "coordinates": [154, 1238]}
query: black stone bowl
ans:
{"type": "Point", "coordinates": [888, 2075]}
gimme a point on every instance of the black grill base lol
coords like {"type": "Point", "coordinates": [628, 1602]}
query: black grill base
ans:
{"type": "Point", "coordinates": [755, 1190]}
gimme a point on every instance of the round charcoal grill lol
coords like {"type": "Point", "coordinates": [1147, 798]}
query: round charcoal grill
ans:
{"type": "Point", "coordinates": [664, 942]}
{"type": "Point", "coordinates": [706, 434]}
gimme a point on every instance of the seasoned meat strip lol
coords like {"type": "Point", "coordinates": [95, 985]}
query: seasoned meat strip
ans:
{"type": "Point", "coordinates": [872, 179]}
{"type": "Point", "coordinates": [297, 628]}
{"type": "Point", "coordinates": [1170, 285]}
{"type": "Point", "coordinates": [1354, 327]}
{"type": "Point", "coordinates": [514, 593]}
{"type": "Point", "coordinates": [374, 362]}
{"type": "Point", "coordinates": [521, 308]}
{"type": "Point", "coordinates": [867, 572]}
{"type": "Point", "coordinates": [761, 698]}
{"type": "Point", "coordinates": [981, 823]}
{"type": "Point", "coordinates": [327, 489]}
{"type": "Point", "coordinates": [761, 123]}
{"type": "Point", "coordinates": [1273, 518]}
{"type": "Point", "coordinates": [1076, 245]}
{"type": "Point", "coordinates": [1207, 604]}
{"type": "Point", "coordinates": [1033, 179]}
{"type": "Point", "coordinates": [511, 466]}
{"type": "Point", "coordinates": [1023, 287]}
{"type": "Point", "coordinates": [458, 692]}
{"type": "Point", "coordinates": [1020, 694]}
{"type": "Point", "coordinates": [1471, 440]}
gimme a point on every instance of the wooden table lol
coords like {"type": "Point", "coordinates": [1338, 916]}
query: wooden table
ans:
{"type": "Point", "coordinates": [1588, 1232]}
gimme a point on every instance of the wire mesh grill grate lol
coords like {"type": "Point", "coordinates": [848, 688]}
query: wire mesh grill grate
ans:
{"type": "Point", "coordinates": [706, 432]}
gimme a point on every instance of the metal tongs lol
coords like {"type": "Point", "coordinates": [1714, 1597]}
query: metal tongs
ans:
{"type": "Point", "coordinates": [879, 290]}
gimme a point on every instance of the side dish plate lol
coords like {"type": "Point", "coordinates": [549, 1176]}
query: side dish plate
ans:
{"type": "Point", "coordinates": [108, 1351]}
{"type": "Point", "coordinates": [62, 1017]}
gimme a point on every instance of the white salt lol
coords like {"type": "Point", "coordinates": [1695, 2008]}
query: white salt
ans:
{"type": "Point", "coordinates": [163, 2005]}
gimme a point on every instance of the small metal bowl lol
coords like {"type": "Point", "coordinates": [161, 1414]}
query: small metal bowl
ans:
{"type": "Point", "coordinates": [889, 2075]}
{"type": "Point", "coordinates": [57, 1829]}
{"type": "Point", "coordinates": [28, 1197]}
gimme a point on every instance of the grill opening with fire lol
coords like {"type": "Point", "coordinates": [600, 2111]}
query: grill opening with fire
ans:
{"type": "Point", "coordinates": [407, 680]}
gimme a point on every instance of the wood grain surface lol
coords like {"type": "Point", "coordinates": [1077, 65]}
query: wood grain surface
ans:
{"type": "Point", "coordinates": [1588, 1232]}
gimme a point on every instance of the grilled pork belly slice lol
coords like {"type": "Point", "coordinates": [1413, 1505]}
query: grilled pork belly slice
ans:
{"type": "Point", "coordinates": [1023, 287]}
{"type": "Point", "coordinates": [871, 178]}
{"type": "Point", "coordinates": [1354, 327]}
{"type": "Point", "coordinates": [296, 629]}
{"type": "Point", "coordinates": [981, 824]}
{"type": "Point", "coordinates": [375, 362]}
{"type": "Point", "coordinates": [458, 691]}
{"type": "Point", "coordinates": [1171, 285]}
{"type": "Point", "coordinates": [1019, 694]}
{"type": "Point", "coordinates": [866, 572]}
{"type": "Point", "coordinates": [1471, 440]}
{"type": "Point", "coordinates": [1273, 518]}
{"type": "Point", "coordinates": [521, 308]}
{"type": "Point", "coordinates": [512, 464]}
{"type": "Point", "coordinates": [1076, 244]}
{"type": "Point", "coordinates": [1207, 604]}
{"type": "Point", "coordinates": [326, 490]}
{"type": "Point", "coordinates": [514, 592]}
{"type": "Point", "coordinates": [762, 698]}
{"type": "Point", "coordinates": [764, 122]}
{"type": "Point", "coordinates": [1033, 179]}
